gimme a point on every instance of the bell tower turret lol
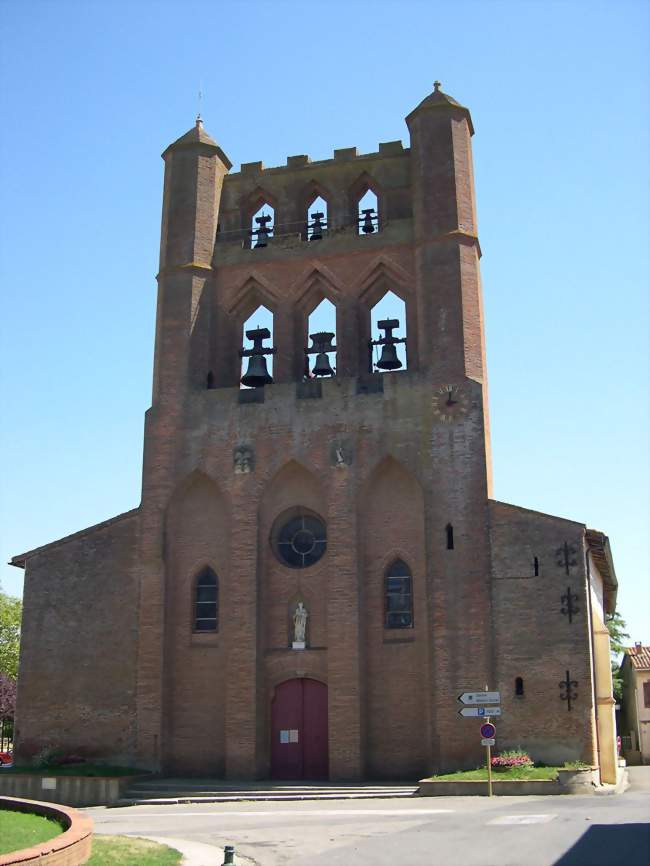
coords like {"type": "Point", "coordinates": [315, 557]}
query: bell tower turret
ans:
{"type": "Point", "coordinates": [195, 167]}
{"type": "Point", "coordinates": [447, 251]}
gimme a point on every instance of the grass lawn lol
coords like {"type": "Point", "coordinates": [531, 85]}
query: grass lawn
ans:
{"type": "Point", "coordinates": [125, 851]}
{"type": "Point", "coordinates": [77, 770]}
{"type": "Point", "coordinates": [516, 773]}
{"type": "Point", "coordinates": [22, 830]}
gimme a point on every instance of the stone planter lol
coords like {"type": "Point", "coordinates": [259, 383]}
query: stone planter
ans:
{"type": "Point", "coordinates": [580, 780]}
{"type": "Point", "coordinates": [507, 787]}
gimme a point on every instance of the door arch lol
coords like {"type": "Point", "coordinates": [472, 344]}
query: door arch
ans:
{"type": "Point", "coordinates": [299, 745]}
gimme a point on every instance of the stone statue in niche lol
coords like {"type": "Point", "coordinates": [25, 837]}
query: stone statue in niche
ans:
{"type": "Point", "coordinates": [300, 616]}
{"type": "Point", "coordinates": [340, 454]}
{"type": "Point", "coordinates": [243, 459]}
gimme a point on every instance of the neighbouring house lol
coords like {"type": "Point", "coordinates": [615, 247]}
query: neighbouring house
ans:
{"type": "Point", "coordinates": [635, 706]}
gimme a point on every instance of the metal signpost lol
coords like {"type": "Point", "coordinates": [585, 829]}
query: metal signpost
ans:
{"type": "Point", "coordinates": [475, 706]}
{"type": "Point", "coordinates": [479, 712]}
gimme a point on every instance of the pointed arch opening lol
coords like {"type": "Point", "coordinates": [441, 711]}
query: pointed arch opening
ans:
{"type": "Point", "coordinates": [368, 212]}
{"type": "Point", "coordinates": [260, 320]}
{"type": "Point", "coordinates": [387, 324]}
{"type": "Point", "coordinates": [206, 601]}
{"type": "Point", "coordinates": [262, 225]}
{"type": "Point", "coordinates": [398, 596]}
{"type": "Point", "coordinates": [317, 218]}
{"type": "Point", "coordinates": [321, 329]}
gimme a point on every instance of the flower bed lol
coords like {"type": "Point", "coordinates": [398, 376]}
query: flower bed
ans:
{"type": "Point", "coordinates": [510, 760]}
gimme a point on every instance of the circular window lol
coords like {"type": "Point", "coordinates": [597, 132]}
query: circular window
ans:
{"type": "Point", "coordinates": [301, 541]}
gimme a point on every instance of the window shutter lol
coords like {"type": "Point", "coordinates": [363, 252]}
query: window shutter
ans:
{"type": "Point", "coordinates": [646, 694]}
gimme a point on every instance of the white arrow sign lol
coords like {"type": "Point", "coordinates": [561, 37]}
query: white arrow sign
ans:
{"type": "Point", "coordinates": [480, 711]}
{"type": "Point", "coordinates": [480, 698]}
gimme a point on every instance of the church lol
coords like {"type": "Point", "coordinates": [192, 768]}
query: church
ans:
{"type": "Point", "coordinates": [317, 568]}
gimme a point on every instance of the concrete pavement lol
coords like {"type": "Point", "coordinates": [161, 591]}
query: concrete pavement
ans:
{"type": "Point", "coordinates": [449, 831]}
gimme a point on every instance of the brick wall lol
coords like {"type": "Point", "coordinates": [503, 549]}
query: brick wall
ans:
{"type": "Point", "coordinates": [76, 685]}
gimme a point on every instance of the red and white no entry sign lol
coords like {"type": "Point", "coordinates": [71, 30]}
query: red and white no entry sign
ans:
{"type": "Point", "coordinates": [488, 730]}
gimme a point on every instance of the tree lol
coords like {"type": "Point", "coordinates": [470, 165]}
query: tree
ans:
{"type": "Point", "coordinates": [10, 615]}
{"type": "Point", "coordinates": [616, 626]}
{"type": "Point", "coordinates": [7, 697]}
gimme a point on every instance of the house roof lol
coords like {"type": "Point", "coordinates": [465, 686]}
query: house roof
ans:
{"type": "Point", "coordinates": [598, 544]}
{"type": "Point", "coordinates": [639, 657]}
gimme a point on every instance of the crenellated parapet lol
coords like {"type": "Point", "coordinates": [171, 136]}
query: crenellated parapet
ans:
{"type": "Point", "coordinates": [341, 182]}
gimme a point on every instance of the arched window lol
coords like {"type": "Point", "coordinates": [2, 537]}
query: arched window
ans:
{"type": "Point", "coordinates": [206, 601]}
{"type": "Point", "coordinates": [398, 596]}
{"type": "Point", "coordinates": [519, 687]}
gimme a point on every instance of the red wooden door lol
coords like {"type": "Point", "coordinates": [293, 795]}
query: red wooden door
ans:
{"type": "Point", "coordinates": [299, 730]}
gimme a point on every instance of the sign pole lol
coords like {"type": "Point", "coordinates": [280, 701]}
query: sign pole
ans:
{"type": "Point", "coordinates": [489, 769]}
{"type": "Point", "coordinates": [489, 761]}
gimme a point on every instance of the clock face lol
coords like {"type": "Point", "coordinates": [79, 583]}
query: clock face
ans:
{"type": "Point", "coordinates": [450, 402]}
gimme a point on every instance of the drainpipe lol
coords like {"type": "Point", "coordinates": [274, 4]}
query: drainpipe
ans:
{"type": "Point", "coordinates": [593, 659]}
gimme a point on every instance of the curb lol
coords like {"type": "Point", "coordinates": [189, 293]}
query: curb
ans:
{"type": "Point", "coordinates": [196, 853]}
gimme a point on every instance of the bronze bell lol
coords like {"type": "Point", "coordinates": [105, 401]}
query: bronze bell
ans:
{"type": "Point", "coordinates": [257, 374]}
{"type": "Point", "coordinates": [367, 222]}
{"type": "Point", "coordinates": [316, 226]}
{"type": "Point", "coordinates": [322, 344]}
{"type": "Point", "coordinates": [388, 359]}
{"type": "Point", "coordinates": [322, 367]}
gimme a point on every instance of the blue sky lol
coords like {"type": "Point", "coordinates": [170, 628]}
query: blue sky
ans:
{"type": "Point", "coordinates": [93, 92]}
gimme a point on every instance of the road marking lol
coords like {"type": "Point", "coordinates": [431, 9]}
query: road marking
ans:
{"type": "Point", "coordinates": [522, 819]}
{"type": "Point", "coordinates": [125, 816]}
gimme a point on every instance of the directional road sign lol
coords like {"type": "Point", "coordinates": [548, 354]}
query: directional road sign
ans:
{"type": "Point", "coordinates": [488, 730]}
{"type": "Point", "coordinates": [480, 711]}
{"type": "Point", "coordinates": [480, 698]}
{"type": "Point", "coordinates": [488, 742]}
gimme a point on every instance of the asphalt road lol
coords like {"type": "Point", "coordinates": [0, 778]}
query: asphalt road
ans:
{"type": "Point", "coordinates": [436, 831]}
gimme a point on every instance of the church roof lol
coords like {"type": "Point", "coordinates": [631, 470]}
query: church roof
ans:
{"type": "Point", "coordinates": [198, 135]}
{"type": "Point", "coordinates": [440, 100]}
{"type": "Point", "coordinates": [639, 657]}
{"type": "Point", "coordinates": [20, 559]}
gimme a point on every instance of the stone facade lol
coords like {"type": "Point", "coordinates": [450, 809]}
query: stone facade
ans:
{"type": "Point", "coordinates": [110, 612]}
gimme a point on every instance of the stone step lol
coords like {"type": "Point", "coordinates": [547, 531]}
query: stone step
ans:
{"type": "Point", "coordinates": [154, 793]}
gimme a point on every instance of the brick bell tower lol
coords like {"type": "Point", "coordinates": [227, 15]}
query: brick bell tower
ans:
{"type": "Point", "coordinates": [360, 496]}
{"type": "Point", "coordinates": [316, 570]}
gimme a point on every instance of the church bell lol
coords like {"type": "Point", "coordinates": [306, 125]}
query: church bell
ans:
{"type": "Point", "coordinates": [388, 359]}
{"type": "Point", "coordinates": [322, 367]}
{"type": "Point", "coordinates": [257, 374]}
{"type": "Point", "coordinates": [322, 344]}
